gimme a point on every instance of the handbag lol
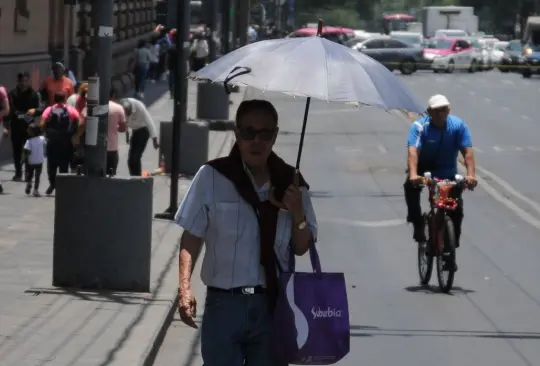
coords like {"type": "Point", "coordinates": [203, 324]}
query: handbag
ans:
{"type": "Point", "coordinates": [311, 319]}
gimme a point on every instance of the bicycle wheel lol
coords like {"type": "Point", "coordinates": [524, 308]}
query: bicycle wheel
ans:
{"type": "Point", "coordinates": [446, 261]}
{"type": "Point", "coordinates": [425, 257]}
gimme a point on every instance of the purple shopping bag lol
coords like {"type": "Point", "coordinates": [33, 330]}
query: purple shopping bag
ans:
{"type": "Point", "coordinates": [311, 319]}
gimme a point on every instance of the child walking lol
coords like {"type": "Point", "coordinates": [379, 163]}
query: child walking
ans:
{"type": "Point", "coordinates": [35, 156]}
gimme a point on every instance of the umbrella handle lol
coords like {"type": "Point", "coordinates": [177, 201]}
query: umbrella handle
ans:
{"type": "Point", "coordinates": [274, 201]}
{"type": "Point", "coordinates": [244, 71]}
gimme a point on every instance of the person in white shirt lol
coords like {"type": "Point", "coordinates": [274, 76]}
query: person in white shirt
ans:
{"type": "Point", "coordinates": [200, 51]}
{"type": "Point", "coordinates": [34, 149]}
{"type": "Point", "coordinates": [142, 128]}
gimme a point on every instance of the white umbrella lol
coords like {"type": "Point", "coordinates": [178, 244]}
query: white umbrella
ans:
{"type": "Point", "coordinates": [313, 67]}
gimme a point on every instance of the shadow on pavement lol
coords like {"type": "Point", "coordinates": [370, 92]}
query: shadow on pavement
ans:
{"type": "Point", "coordinates": [368, 331]}
{"type": "Point", "coordinates": [435, 290]}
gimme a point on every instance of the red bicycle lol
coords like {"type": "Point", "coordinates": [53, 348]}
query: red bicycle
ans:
{"type": "Point", "coordinates": [440, 236]}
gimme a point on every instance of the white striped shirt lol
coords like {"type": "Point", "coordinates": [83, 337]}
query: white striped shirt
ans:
{"type": "Point", "coordinates": [213, 210]}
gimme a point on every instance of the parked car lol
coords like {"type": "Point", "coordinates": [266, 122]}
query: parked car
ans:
{"type": "Point", "coordinates": [447, 54]}
{"type": "Point", "coordinates": [393, 54]}
{"type": "Point", "coordinates": [498, 52]}
{"type": "Point", "coordinates": [531, 48]}
{"type": "Point", "coordinates": [512, 57]}
{"type": "Point", "coordinates": [410, 38]}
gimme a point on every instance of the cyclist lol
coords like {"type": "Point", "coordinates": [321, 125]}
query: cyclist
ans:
{"type": "Point", "coordinates": [433, 145]}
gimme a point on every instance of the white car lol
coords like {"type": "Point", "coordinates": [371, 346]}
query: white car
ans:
{"type": "Point", "coordinates": [449, 54]}
{"type": "Point", "coordinates": [479, 53]}
{"type": "Point", "coordinates": [498, 52]}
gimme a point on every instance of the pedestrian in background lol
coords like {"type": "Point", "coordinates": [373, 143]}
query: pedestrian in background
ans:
{"type": "Point", "coordinates": [4, 111]}
{"type": "Point", "coordinates": [58, 82]}
{"type": "Point", "coordinates": [153, 72]}
{"type": "Point", "coordinates": [142, 60]}
{"type": "Point", "coordinates": [22, 100]}
{"type": "Point", "coordinates": [142, 128]}
{"type": "Point", "coordinates": [116, 123]}
{"type": "Point", "coordinates": [79, 102]}
{"type": "Point", "coordinates": [171, 64]}
{"type": "Point", "coordinates": [200, 51]}
{"type": "Point", "coordinates": [34, 149]}
{"type": "Point", "coordinates": [64, 127]}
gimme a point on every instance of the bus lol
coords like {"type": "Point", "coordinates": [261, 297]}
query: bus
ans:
{"type": "Point", "coordinates": [396, 22]}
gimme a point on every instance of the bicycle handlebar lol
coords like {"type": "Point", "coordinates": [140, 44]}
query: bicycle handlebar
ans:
{"type": "Point", "coordinates": [459, 181]}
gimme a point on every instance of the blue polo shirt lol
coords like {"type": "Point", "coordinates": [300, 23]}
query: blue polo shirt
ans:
{"type": "Point", "coordinates": [427, 138]}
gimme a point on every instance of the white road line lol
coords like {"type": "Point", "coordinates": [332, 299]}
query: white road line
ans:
{"type": "Point", "coordinates": [497, 149]}
{"type": "Point", "coordinates": [472, 92]}
{"type": "Point", "coordinates": [525, 117]}
{"type": "Point", "coordinates": [487, 100]}
{"type": "Point", "coordinates": [506, 81]}
{"type": "Point", "coordinates": [505, 108]}
{"type": "Point", "coordinates": [381, 149]}
{"type": "Point", "coordinates": [478, 150]}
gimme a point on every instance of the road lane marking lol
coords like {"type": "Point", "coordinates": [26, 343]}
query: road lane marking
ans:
{"type": "Point", "coordinates": [505, 108]}
{"type": "Point", "coordinates": [525, 117]}
{"type": "Point", "coordinates": [497, 149]}
{"type": "Point", "coordinates": [487, 100]}
{"type": "Point", "coordinates": [478, 150]}
{"type": "Point", "coordinates": [472, 92]}
{"type": "Point", "coordinates": [381, 149]}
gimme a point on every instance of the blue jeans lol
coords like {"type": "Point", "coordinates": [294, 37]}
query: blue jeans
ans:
{"type": "Point", "coordinates": [236, 331]}
{"type": "Point", "coordinates": [141, 73]}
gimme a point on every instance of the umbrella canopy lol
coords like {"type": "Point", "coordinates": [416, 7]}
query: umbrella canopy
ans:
{"type": "Point", "coordinates": [313, 67]}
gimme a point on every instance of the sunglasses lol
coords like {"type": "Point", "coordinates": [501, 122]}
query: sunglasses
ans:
{"type": "Point", "coordinates": [249, 134]}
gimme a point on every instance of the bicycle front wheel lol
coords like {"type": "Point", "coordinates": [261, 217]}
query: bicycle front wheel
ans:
{"type": "Point", "coordinates": [425, 257]}
{"type": "Point", "coordinates": [446, 261]}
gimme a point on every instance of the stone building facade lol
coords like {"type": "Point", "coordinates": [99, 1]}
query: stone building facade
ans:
{"type": "Point", "coordinates": [33, 34]}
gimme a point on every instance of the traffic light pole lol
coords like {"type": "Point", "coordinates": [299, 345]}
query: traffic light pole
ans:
{"type": "Point", "coordinates": [99, 85]}
{"type": "Point", "coordinates": [180, 103]}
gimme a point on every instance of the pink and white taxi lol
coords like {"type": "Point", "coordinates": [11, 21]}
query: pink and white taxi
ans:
{"type": "Point", "coordinates": [448, 54]}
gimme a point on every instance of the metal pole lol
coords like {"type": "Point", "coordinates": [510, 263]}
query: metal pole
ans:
{"type": "Point", "coordinates": [180, 103]}
{"type": "Point", "coordinates": [99, 85]}
{"type": "Point", "coordinates": [211, 26]}
{"type": "Point", "coordinates": [225, 26]}
{"type": "Point", "coordinates": [243, 22]}
{"type": "Point", "coordinates": [172, 12]}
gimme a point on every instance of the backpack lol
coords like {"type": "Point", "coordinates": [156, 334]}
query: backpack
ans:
{"type": "Point", "coordinates": [60, 127]}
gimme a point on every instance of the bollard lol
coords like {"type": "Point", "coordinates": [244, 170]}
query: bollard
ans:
{"type": "Point", "coordinates": [194, 143]}
{"type": "Point", "coordinates": [103, 233]}
{"type": "Point", "coordinates": [212, 102]}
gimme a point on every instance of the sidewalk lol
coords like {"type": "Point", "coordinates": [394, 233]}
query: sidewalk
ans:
{"type": "Point", "coordinates": [42, 325]}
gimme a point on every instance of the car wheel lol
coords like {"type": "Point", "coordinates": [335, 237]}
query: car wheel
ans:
{"type": "Point", "coordinates": [526, 74]}
{"type": "Point", "coordinates": [451, 67]}
{"type": "Point", "coordinates": [407, 67]}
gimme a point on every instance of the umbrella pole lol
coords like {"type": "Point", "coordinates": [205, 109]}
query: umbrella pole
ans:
{"type": "Point", "coordinates": [303, 133]}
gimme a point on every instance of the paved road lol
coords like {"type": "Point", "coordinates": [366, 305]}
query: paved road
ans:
{"type": "Point", "coordinates": [354, 161]}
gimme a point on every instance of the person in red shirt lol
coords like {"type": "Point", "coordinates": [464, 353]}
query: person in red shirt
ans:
{"type": "Point", "coordinates": [63, 127]}
{"type": "Point", "coordinates": [57, 83]}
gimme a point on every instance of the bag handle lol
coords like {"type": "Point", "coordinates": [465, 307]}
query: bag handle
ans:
{"type": "Point", "coordinates": [313, 256]}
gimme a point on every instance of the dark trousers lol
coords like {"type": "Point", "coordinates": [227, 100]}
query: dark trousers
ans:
{"type": "Point", "coordinates": [198, 63]}
{"type": "Point", "coordinates": [137, 145]}
{"type": "Point", "coordinates": [19, 136]}
{"type": "Point", "coordinates": [33, 172]}
{"type": "Point", "coordinates": [59, 155]}
{"type": "Point", "coordinates": [172, 82]}
{"type": "Point", "coordinates": [414, 208]}
{"type": "Point", "coordinates": [112, 162]}
{"type": "Point", "coordinates": [236, 331]}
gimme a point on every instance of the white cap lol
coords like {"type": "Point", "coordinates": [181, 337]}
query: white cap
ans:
{"type": "Point", "coordinates": [438, 101]}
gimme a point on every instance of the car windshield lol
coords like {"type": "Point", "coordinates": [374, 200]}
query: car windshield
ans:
{"type": "Point", "coordinates": [410, 39]}
{"type": "Point", "coordinates": [515, 46]}
{"type": "Point", "coordinates": [438, 44]}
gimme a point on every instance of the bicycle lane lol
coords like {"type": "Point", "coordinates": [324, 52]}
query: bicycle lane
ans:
{"type": "Point", "coordinates": [355, 162]}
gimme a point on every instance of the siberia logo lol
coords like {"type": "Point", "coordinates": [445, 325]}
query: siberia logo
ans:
{"type": "Point", "coordinates": [329, 312]}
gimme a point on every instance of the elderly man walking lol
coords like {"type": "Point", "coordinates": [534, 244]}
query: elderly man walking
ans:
{"type": "Point", "coordinates": [248, 240]}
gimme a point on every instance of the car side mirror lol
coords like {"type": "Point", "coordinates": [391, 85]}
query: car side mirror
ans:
{"type": "Point", "coordinates": [457, 49]}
